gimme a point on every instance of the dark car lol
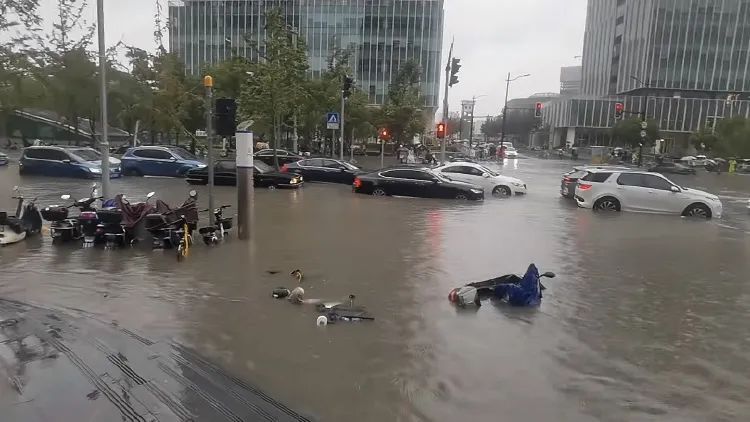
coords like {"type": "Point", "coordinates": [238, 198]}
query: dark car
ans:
{"type": "Point", "coordinates": [417, 182]}
{"type": "Point", "coordinates": [225, 174]}
{"type": "Point", "coordinates": [159, 160]}
{"type": "Point", "coordinates": [284, 156]}
{"type": "Point", "coordinates": [59, 161]}
{"type": "Point", "coordinates": [324, 170]}
{"type": "Point", "coordinates": [570, 179]}
{"type": "Point", "coordinates": [673, 168]}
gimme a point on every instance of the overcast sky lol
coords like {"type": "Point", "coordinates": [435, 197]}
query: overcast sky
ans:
{"type": "Point", "coordinates": [493, 37]}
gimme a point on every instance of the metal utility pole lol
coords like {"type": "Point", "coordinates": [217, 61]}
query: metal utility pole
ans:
{"type": "Point", "coordinates": [343, 134]}
{"type": "Point", "coordinates": [505, 107]}
{"type": "Point", "coordinates": [104, 140]}
{"type": "Point", "coordinates": [445, 101]}
{"type": "Point", "coordinates": [208, 83]}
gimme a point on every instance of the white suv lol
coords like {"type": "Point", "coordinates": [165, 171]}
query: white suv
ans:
{"type": "Point", "coordinates": [609, 190]}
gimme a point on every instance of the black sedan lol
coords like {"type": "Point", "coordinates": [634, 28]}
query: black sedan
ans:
{"type": "Point", "coordinates": [324, 170]}
{"type": "Point", "coordinates": [417, 182]}
{"type": "Point", "coordinates": [284, 156]}
{"type": "Point", "coordinates": [673, 168]}
{"type": "Point", "coordinates": [225, 174]}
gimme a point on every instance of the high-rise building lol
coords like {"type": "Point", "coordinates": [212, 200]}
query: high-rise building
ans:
{"type": "Point", "coordinates": [380, 34]}
{"type": "Point", "coordinates": [681, 63]}
{"type": "Point", "coordinates": [684, 45]}
{"type": "Point", "coordinates": [570, 80]}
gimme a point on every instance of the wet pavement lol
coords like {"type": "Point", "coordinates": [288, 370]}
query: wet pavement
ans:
{"type": "Point", "coordinates": [646, 320]}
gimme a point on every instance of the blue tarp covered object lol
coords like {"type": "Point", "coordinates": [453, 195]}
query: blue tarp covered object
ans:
{"type": "Point", "coordinates": [526, 293]}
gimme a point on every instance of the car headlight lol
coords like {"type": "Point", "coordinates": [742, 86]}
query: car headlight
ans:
{"type": "Point", "coordinates": [517, 184]}
{"type": "Point", "coordinates": [294, 180]}
{"type": "Point", "coordinates": [95, 170]}
{"type": "Point", "coordinates": [200, 166]}
{"type": "Point", "coordinates": [477, 191]}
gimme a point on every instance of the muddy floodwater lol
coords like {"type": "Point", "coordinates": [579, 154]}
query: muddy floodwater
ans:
{"type": "Point", "coordinates": [647, 319]}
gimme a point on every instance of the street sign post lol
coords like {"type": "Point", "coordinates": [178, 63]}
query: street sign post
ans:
{"type": "Point", "coordinates": [333, 120]}
{"type": "Point", "coordinates": [643, 134]}
{"type": "Point", "coordinates": [644, 125]}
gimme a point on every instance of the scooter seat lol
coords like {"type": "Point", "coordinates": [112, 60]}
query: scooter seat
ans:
{"type": "Point", "coordinates": [207, 230]}
{"type": "Point", "coordinates": [14, 223]}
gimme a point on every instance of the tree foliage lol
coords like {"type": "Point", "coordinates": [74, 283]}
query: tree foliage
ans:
{"type": "Point", "coordinates": [628, 132]}
{"type": "Point", "coordinates": [402, 114]}
{"type": "Point", "coordinates": [733, 137]}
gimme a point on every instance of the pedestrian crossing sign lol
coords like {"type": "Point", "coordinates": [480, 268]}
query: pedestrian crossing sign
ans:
{"type": "Point", "coordinates": [333, 121]}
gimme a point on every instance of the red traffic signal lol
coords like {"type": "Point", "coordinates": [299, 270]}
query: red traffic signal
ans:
{"type": "Point", "coordinates": [538, 110]}
{"type": "Point", "coordinates": [619, 110]}
{"type": "Point", "coordinates": [383, 134]}
{"type": "Point", "coordinates": [440, 132]}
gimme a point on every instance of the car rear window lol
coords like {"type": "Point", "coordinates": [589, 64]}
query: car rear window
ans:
{"type": "Point", "coordinates": [598, 177]}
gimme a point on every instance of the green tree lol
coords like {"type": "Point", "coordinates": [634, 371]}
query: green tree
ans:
{"type": "Point", "coordinates": [734, 137]}
{"type": "Point", "coordinates": [705, 140]}
{"type": "Point", "coordinates": [628, 132]}
{"type": "Point", "coordinates": [277, 83]}
{"type": "Point", "coordinates": [403, 114]}
{"type": "Point", "coordinates": [16, 88]}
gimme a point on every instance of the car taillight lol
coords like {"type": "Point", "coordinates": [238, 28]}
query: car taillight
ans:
{"type": "Point", "coordinates": [284, 168]}
{"type": "Point", "coordinates": [357, 182]}
{"type": "Point", "coordinates": [584, 186]}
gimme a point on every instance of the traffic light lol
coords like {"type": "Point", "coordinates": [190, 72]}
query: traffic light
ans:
{"type": "Point", "coordinates": [538, 109]}
{"type": "Point", "coordinates": [440, 132]}
{"type": "Point", "coordinates": [226, 116]}
{"type": "Point", "coordinates": [348, 84]}
{"type": "Point", "coordinates": [619, 110]}
{"type": "Point", "coordinates": [455, 66]}
{"type": "Point", "coordinates": [383, 134]}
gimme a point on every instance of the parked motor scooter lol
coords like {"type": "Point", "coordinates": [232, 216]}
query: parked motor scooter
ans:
{"type": "Point", "coordinates": [119, 219]}
{"type": "Point", "coordinates": [88, 219]}
{"type": "Point", "coordinates": [26, 222]}
{"type": "Point", "coordinates": [62, 229]}
{"type": "Point", "coordinates": [213, 234]}
{"type": "Point", "coordinates": [166, 225]}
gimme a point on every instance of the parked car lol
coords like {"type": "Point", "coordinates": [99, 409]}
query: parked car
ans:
{"type": "Point", "coordinates": [743, 166]}
{"type": "Point", "coordinates": [65, 162]}
{"type": "Point", "coordinates": [225, 173]}
{"type": "Point", "coordinates": [159, 161]}
{"type": "Point", "coordinates": [284, 156]}
{"type": "Point", "coordinates": [570, 179]}
{"type": "Point", "coordinates": [674, 168]}
{"type": "Point", "coordinates": [417, 182]}
{"type": "Point", "coordinates": [323, 170]}
{"type": "Point", "coordinates": [3, 159]}
{"type": "Point", "coordinates": [608, 190]}
{"type": "Point", "coordinates": [489, 180]}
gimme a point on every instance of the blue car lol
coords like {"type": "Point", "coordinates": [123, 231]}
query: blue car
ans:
{"type": "Point", "coordinates": [159, 161]}
{"type": "Point", "coordinates": [56, 161]}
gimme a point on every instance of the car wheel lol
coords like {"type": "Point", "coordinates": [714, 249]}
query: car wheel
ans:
{"type": "Point", "coordinates": [462, 197]}
{"type": "Point", "coordinates": [272, 187]}
{"type": "Point", "coordinates": [501, 192]}
{"type": "Point", "coordinates": [698, 211]}
{"type": "Point", "coordinates": [607, 204]}
{"type": "Point", "coordinates": [379, 192]}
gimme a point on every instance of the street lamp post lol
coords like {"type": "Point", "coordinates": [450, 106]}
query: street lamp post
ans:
{"type": "Point", "coordinates": [104, 140]}
{"type": "Point", "coordinates": [471, 126]}
{"type": "Point", "coordinates": [505, 107]}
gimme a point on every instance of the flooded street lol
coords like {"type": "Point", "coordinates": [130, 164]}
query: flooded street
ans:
{"type": "Point", "coordinates": [646, 319]}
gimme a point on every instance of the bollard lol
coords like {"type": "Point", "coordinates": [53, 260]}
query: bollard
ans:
{"type": "Point", "coordinates": [244, 183]}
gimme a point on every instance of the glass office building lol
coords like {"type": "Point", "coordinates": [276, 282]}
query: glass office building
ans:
{"type": "Point", "coordinates": [684, 63]}
{"type": "Point", "coordinates": [685, 45]}
{"type": "Point", "coordinates": [381, 35]}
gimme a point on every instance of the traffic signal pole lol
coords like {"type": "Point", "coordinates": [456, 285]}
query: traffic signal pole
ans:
{"type": "Point", "coordinates": [343, 134]}
{"type": "Point", "coordinates": [445, 101]}
{"type": "Point", "coordinates": [208, 83]}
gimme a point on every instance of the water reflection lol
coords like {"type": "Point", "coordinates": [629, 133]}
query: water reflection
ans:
{"type": "Point", "coordinates": [630, 329]}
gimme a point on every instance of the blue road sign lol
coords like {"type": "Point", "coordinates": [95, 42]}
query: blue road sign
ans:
{"type": "Point", "coordinates": [332, 121]}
